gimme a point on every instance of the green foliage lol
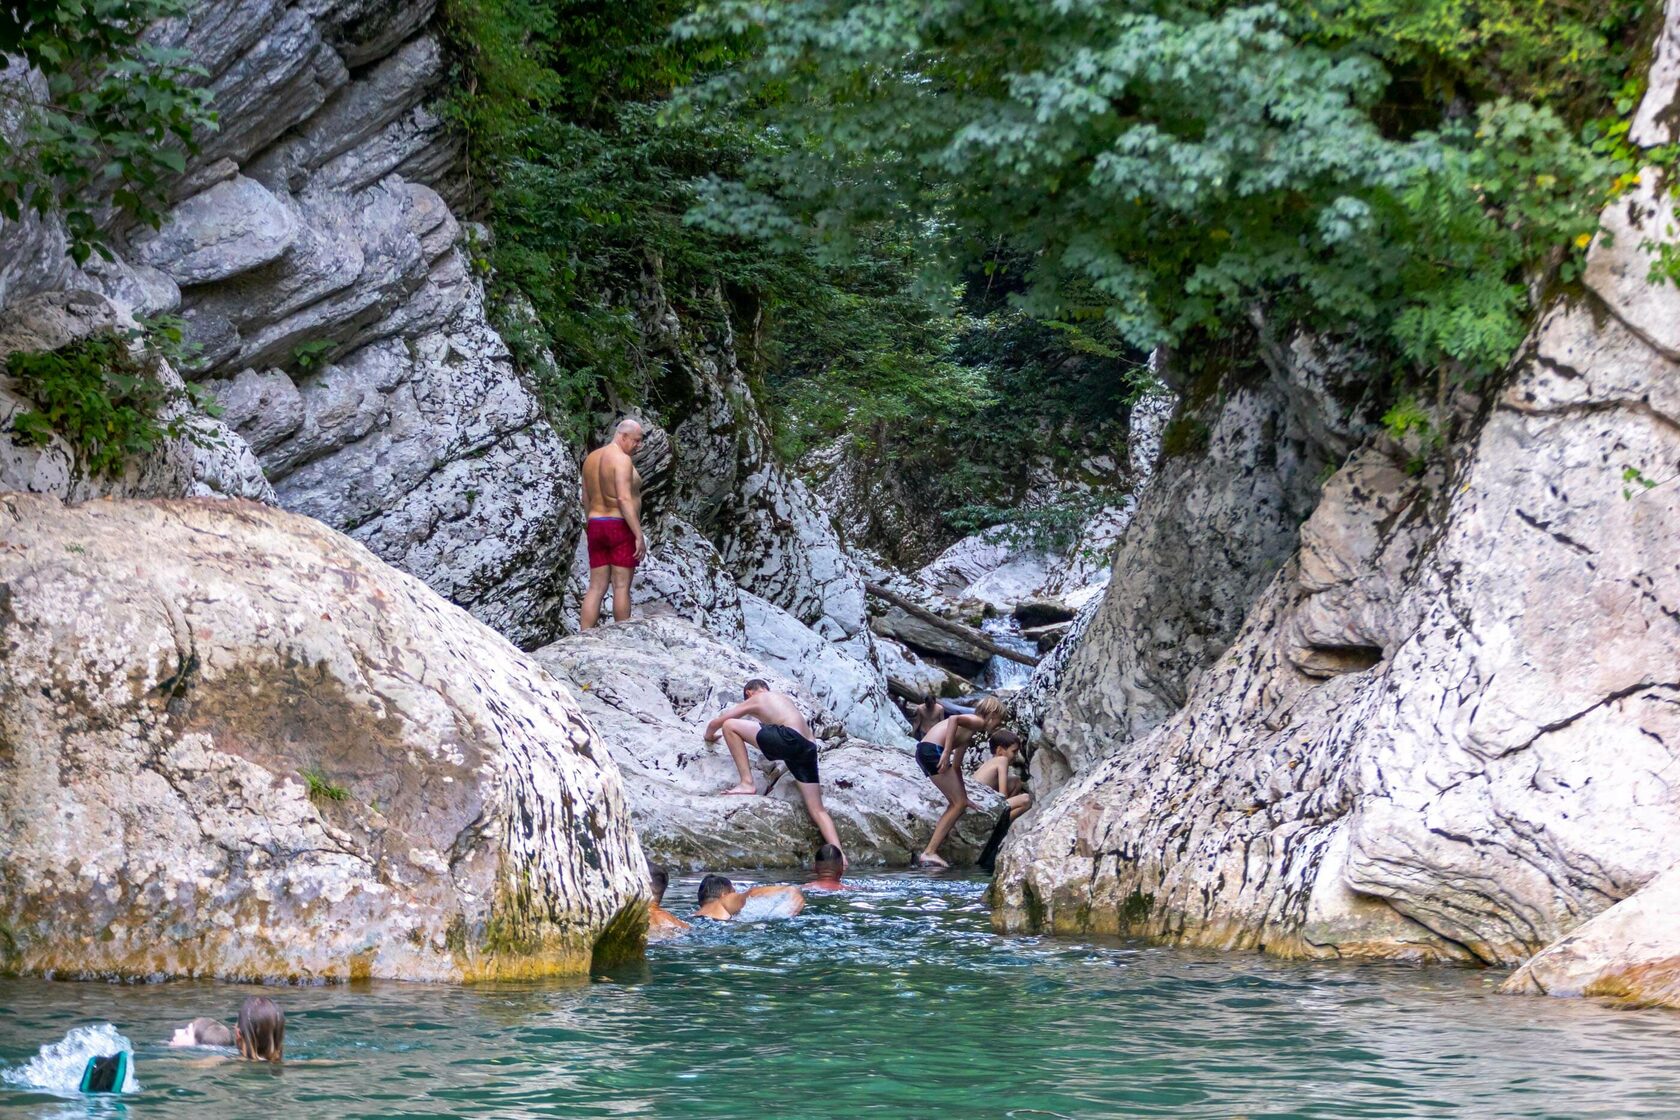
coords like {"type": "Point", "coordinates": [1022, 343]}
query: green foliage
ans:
{"type": "Point", "coordinates": [1407, 417]}
{"type": "Point", "coordinates": [590, 191]}
{"type": "Point", "coordinates": [1050, 528]}
{"type": "Point", "coordinates": [320, 788]}
{"type": "Point", "coordinates": [1562, 53]}
{"type": "Point", "coordinates": [113, 118]}
{"type": "Point", "coordinates": [1168, 166]}
{"type": "Point", "coordinates": [102, 395]}
{"type": "Point", "coordinates": [309, 356]}
{"type": "Point", "coordinates": [1633, 476]}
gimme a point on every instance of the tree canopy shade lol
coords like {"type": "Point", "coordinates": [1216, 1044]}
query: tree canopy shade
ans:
{"type": "Point", "coordinates": [1408, 170]}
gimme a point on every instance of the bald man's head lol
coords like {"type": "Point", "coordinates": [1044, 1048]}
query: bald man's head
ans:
{"type": "Point", "coordinates": [628, 434]}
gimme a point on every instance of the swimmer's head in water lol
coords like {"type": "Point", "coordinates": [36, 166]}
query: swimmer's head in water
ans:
{"type": "Point", "coordinates": [828, 862]}
{"type": "Point", "coordinates": [261, 1033]}
{"type": "Point", "coordinates": [714, 886]}
{"type": "Point", "coordinates": [1005, 742]}
{"type": "Point", "coordinates": [757, 684]}
{"type": "Point", "coordinates": [990, 710]}
{"type": "Point", "coordinates": [660, 880]}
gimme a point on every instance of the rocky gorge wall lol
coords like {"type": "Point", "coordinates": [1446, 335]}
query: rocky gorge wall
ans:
{"type": "Point", "coordinates": [325, 282]}
{"type": "Point", "coordinates": [1446, 727]}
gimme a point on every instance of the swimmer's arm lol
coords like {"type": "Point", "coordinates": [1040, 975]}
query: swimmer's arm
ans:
{"type": "Point", "coordinates": [797, 895]}
{"type": "Point", "coordinates": [629, 501]}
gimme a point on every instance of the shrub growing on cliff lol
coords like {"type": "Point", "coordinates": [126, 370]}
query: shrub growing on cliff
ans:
{"type": "Point", "coordinates": [111, 118]}
{"type": "Point", "coordinates": [590, 191]}
{"type": "Point", "coordinates": [103, 396]}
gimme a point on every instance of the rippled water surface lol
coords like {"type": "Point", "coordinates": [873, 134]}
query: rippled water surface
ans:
{"type": "Point", "coordinates": [891, 1000]}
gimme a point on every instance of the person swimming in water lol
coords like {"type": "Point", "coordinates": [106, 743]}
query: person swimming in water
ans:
{"type": "Point", "coordinates": [203, 1031]}
{"type": "Point", "coordinates": [721, 902]}
{"type": "Point", "coordinates": [827, 868]}
{"type": "Point", "coordinates": [662, 924]}
{"type": "Point", "coordinates": [259, 1033]}
{"type": "Point", "coordinates": [940, 755]}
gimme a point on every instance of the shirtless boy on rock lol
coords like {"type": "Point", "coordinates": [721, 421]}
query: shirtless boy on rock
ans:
{"type": "Point", "coordinates": [772, 722]}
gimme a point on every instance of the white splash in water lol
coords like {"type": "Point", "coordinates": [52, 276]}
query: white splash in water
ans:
{"type": "Point", "coordinates": [58, 1067]}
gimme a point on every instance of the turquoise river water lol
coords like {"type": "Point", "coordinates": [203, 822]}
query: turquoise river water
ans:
{"type": "Point", "coordinates": [894, 999]}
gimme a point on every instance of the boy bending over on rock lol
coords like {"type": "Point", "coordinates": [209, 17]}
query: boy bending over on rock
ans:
{"type": "Point", "coordinates": [939, 754]}
{"type": "Point", "coordinates": [771, 722]}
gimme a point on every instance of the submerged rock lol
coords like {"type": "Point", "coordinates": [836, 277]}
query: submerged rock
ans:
{"type": "Point", "coordinates": [650, 685]}
{"type": "Point", "coordinates": [233, 743]}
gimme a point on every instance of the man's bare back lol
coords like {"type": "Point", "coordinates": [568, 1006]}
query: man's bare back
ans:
{"type": "Point", "coordinates": [602, 470]}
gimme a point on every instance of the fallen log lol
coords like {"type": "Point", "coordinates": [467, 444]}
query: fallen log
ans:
{"type": "Point", "coordinates": [967, 633]}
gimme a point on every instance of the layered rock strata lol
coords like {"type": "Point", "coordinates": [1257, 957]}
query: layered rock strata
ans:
{"type": "Point", "coordinates": [323, 279]}
{"type": "Point", "coordinates": [236, 744]}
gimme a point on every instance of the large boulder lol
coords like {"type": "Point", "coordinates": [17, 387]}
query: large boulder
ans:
{"type": "Point", "coordinates": [649, 686]}
{"type": "Point", "coordinates": [1449, 726]}
{"type": "Point", "coordinates": [233, 743]}
{"type": "Point", "coordinates": [1630, 951]}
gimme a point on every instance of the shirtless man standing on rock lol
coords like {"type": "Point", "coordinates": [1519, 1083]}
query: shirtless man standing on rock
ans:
{"type": "Point", "coordinates": [612, 494]}
{"type": "Point", "coordinates": [771, 722]}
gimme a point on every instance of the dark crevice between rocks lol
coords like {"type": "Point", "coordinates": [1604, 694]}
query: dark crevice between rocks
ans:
{"type": "Point", "coordinates": [1323, 662]}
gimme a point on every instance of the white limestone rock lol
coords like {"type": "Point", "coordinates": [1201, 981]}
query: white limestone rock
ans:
{"type": "Point", "coordinates": [855, 692]}
{"type": "Point", "coordinates": [1629, 952]}
{"type": "Point", "coordinates": [205, 459]}
{"type": "Point", "coordinates": [174, 671]}
{"type": "Point", "coordinates": [682, 575]}
{"type": "Point", "coordinates": [1619, 263]}
{"type": "Point", "coordinates": [233, 227]}
{"type": "Point", "coordinates": [431, 452]}
{"type": "Point", "coordinates": [1448, 727]}
{"type": "Point", "coordinates": [649, 686]}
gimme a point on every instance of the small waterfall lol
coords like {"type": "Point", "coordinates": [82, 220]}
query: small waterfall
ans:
{"type": "Point", "coordinates": [1000, 672]}
{"type": "Point", "coordinates": [58, 1067]}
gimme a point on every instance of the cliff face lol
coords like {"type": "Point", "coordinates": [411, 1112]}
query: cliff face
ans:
{"type": "Point", "coordinates": [1447, 726]}
{"type": "Point", "coordinates": [325, 281]}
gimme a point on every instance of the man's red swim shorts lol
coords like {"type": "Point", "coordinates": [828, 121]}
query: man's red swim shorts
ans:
{"type": "Point", "coordinates": [611, 542]}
